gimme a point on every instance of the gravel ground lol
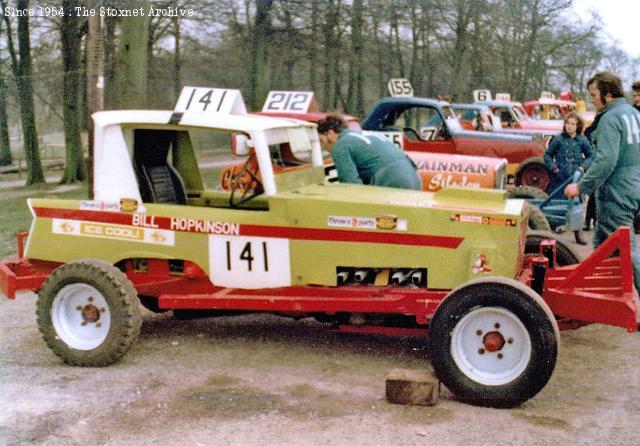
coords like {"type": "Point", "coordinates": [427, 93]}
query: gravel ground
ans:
{"type": "Point", "coordinates": [266, 380]}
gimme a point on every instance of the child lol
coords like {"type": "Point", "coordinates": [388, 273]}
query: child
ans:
{"type": "Point", "coordinates": [566, 153]}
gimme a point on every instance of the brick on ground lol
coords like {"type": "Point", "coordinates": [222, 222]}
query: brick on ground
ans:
{"type": "Point", "coordinates": [412, 387]}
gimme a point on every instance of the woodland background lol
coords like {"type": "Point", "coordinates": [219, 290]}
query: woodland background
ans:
{"type": "Point", "coordinates": [343, 50]}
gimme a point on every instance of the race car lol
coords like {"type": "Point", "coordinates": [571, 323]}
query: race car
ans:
{"type": "Point", "coordinates": [436, 170]}
{"type": "Point", "coordinates": [429, 125]}
{"type": "Point", "coordinates": [458, 261]}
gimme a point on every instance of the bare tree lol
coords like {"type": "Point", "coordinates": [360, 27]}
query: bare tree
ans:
{"type": "Point", "coordinates": [260, 46]}
{"type": "Point", "coordinates": [22, 71]}
{"type": "Point", "coordinates": [75, 169]}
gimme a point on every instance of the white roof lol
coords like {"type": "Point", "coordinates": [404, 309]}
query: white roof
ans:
{"type": "Point", "coordinates": [241, 123]}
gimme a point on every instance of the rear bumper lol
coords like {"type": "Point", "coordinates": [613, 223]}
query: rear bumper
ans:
{"type": "Point", "coordinates": [21, 274]}
{"type": "Point", "coordinates": [599, 289]}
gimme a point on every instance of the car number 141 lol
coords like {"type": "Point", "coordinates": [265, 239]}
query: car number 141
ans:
{"type": "Point", "coordinates": [249, 262]}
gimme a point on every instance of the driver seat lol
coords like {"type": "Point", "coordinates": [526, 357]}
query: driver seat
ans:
{"type": "Point", "coordinates": [159, 181]}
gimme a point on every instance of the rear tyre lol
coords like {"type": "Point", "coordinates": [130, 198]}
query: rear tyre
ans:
{"type": "Point", "coordinates": [532, 172]}
{"type": "Point", "coordinates": [537, 220]}
{"type": "Point", "coordinates": [493, 342]}
{"type": "Point", "coordinates": [526, 192]}
{"type": "Point", "coordinates": [88, 313]}
{"type": "Point", "coordinates": [566, 255]}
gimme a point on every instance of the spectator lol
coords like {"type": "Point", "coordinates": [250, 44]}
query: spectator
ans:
{"type": "Point", "coordinates": [635, 87]}
{"type": "Point", "coordinates": [568, 152]}
{"type": "Point", "coordinates": [581, 106]}
{"type": "Point", "coordinates": [614, 175]}
{"type": "Point", "coordinates": [366, 159]}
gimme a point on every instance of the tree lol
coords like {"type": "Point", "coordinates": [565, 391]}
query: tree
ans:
{"type": "Point", "coordinates": [355, 97]}
{"type": "Point", "coordinates": [260, 44]}
{"type": "Point", "coordinates": [75, 169]}
{"type": "Point", "coordinates": [22, 71]}
{"type": "Point", "coordinates": [5, 147]}
{"type": "Point", "coordinates": [133, 59]}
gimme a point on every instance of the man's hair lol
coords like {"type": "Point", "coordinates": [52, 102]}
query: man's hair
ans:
{"type": "Point", "coordinates": [607, 82]}
{"type": "Point", "coordinates": [635, 86]}
{"type": "Point", "coordinates": [579, 122]}
{"type": "Point", "coordinates": [331, 122]}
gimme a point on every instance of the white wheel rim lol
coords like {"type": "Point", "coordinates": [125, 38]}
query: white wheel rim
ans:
{"type": "Point", "coordinates": [476, 361]}
{"type": "Point", "coordinates": [81, 316]}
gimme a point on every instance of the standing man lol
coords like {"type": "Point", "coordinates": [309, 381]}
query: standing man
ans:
{"type": "Point", "coordinates": [368, 159]}
{"type": "Point", "coordinates": [636, 95]}
{"type": "Point", "coordinates": [614, 174]}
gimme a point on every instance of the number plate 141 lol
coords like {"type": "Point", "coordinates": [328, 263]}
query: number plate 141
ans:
{"type": "Point", "coordinates": [249, 262]}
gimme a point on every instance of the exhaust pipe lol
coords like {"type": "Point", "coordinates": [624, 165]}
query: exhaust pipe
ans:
{"type": "Point", "coordinates": [360, 275]}
{"type": "Point", "coordinates": [343, 277]}
{"type": "Point", "coordinates": [397, 278]}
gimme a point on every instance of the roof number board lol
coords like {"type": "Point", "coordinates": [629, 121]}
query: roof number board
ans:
{"type": "Point", "coordinates": [481, 95]}
{"type": "Point", "coordinates": [288, 101]}
{"type": "Point", "coordinates": [399, 87]}
{"type": "Point", "coordinates": [210, 100]}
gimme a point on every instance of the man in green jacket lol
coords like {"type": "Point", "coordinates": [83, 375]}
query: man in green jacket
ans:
{"type": "Point", "coordinates": [614, 174]}
{"type": "Point", "coordinates": [369, 159]}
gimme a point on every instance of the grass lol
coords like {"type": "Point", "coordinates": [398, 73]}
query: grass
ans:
{"type": "Point", "coordinates": [15, 215]}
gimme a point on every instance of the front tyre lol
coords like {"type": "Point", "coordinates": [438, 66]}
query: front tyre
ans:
{"type": "Point", "coordinates": [88, 313]}
{"type": "Point", "coordinates": [493, 342]}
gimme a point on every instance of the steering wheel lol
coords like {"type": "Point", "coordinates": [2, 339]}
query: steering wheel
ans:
{"type": "Point", "coordinates": [245, 182]}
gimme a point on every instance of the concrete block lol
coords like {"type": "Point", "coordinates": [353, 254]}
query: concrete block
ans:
{"type": "Point", "coordinates": [412, 387]}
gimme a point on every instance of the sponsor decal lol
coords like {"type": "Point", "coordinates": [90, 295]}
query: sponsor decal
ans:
{"type": "Point", "coordinates": [164, 227]}
{"type": "Point", "coordinates": [128, 204]}
{"type": "Point", "coordinates": [351, 222]}
{"type": "Point", "coordinates": [453, 167]}
{"type": "Point", "coordinates": [440, 181]}
{"type": "Point", "coordinates": [99, 205]}
{"type": "Point", "coordinates": [481, 265]}
{"type": "Point", "coordinates": [209, 227]}
{"type": "Point", "coordinates": [111, 231]}
{"type": "Point", "coordinates": [485, 220]}
{"type": "Point", "coordinates": [387, 222]}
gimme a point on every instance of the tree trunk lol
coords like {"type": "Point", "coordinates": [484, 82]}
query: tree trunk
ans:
{"type": "Point", "coordinates": [355, 97]}
{"type": "Point", "coordinates": [133, 62]}
{"type": "Point", "coordinates": [312, 50]}
{"type": "Point", "coordinates": [330, 50]}
{"type": "Point", "coordinates": [177, 78]}
{"type": "Point", "coordinates": [75, 169]}
{"type": "Point", "coordinates": [110, 58]}
{"type": "Point", "coordinates": [260, 44]}
{"type": "Point", "coordinates": [5, 147]}
{"type": "Point", "coordinates": [25, 89]}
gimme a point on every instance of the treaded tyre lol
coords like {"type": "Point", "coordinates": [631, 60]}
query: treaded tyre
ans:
{"type": "Point", "coordinates": [88, 313]}
{"type": "Point", "coordinates": [532, 172]}
{"type": "Point", "coordinates": [566, 255]}
{"type": "Point", "coordinates": [537, 220]}
{"type": "Point", "coordinates": [493, 342]}
{"type": "Point", "coordinates": [527, 192]}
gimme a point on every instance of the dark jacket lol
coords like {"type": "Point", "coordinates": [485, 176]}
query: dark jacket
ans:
{"type": "Point", "coordinates": [567, 154]}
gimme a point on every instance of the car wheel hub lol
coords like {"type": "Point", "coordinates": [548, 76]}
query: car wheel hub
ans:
{"type": "Point", "coordinates": [491, 346]}
{"type": "Point", "coordinates": [80, 316]}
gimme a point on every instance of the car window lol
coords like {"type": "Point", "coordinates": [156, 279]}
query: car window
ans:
{"type": "Point", "coordinates": [423, 123]}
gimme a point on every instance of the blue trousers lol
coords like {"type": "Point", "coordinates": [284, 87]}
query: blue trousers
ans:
{"type": "Point", "coordinates": [610, 215]}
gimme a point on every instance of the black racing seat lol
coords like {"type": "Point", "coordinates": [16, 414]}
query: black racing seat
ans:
{"type": "Point", "coordinates": [158, 180]}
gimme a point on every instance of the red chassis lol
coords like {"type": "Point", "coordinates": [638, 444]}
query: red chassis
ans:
{"type": "Point", "coordinates": [598, 290]}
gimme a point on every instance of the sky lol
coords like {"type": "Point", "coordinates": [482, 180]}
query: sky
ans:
{"type": "Point", "coordinates": [621, 20]}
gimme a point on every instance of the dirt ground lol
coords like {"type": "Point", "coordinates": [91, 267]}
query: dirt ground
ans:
{"type": "Point", "coordinates": [266, 380]}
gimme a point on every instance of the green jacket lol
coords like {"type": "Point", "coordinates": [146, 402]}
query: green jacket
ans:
{"type": "Point", "coordinates": [615, 169]}
{"type": "Point", "coordinates": [371, 159]}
